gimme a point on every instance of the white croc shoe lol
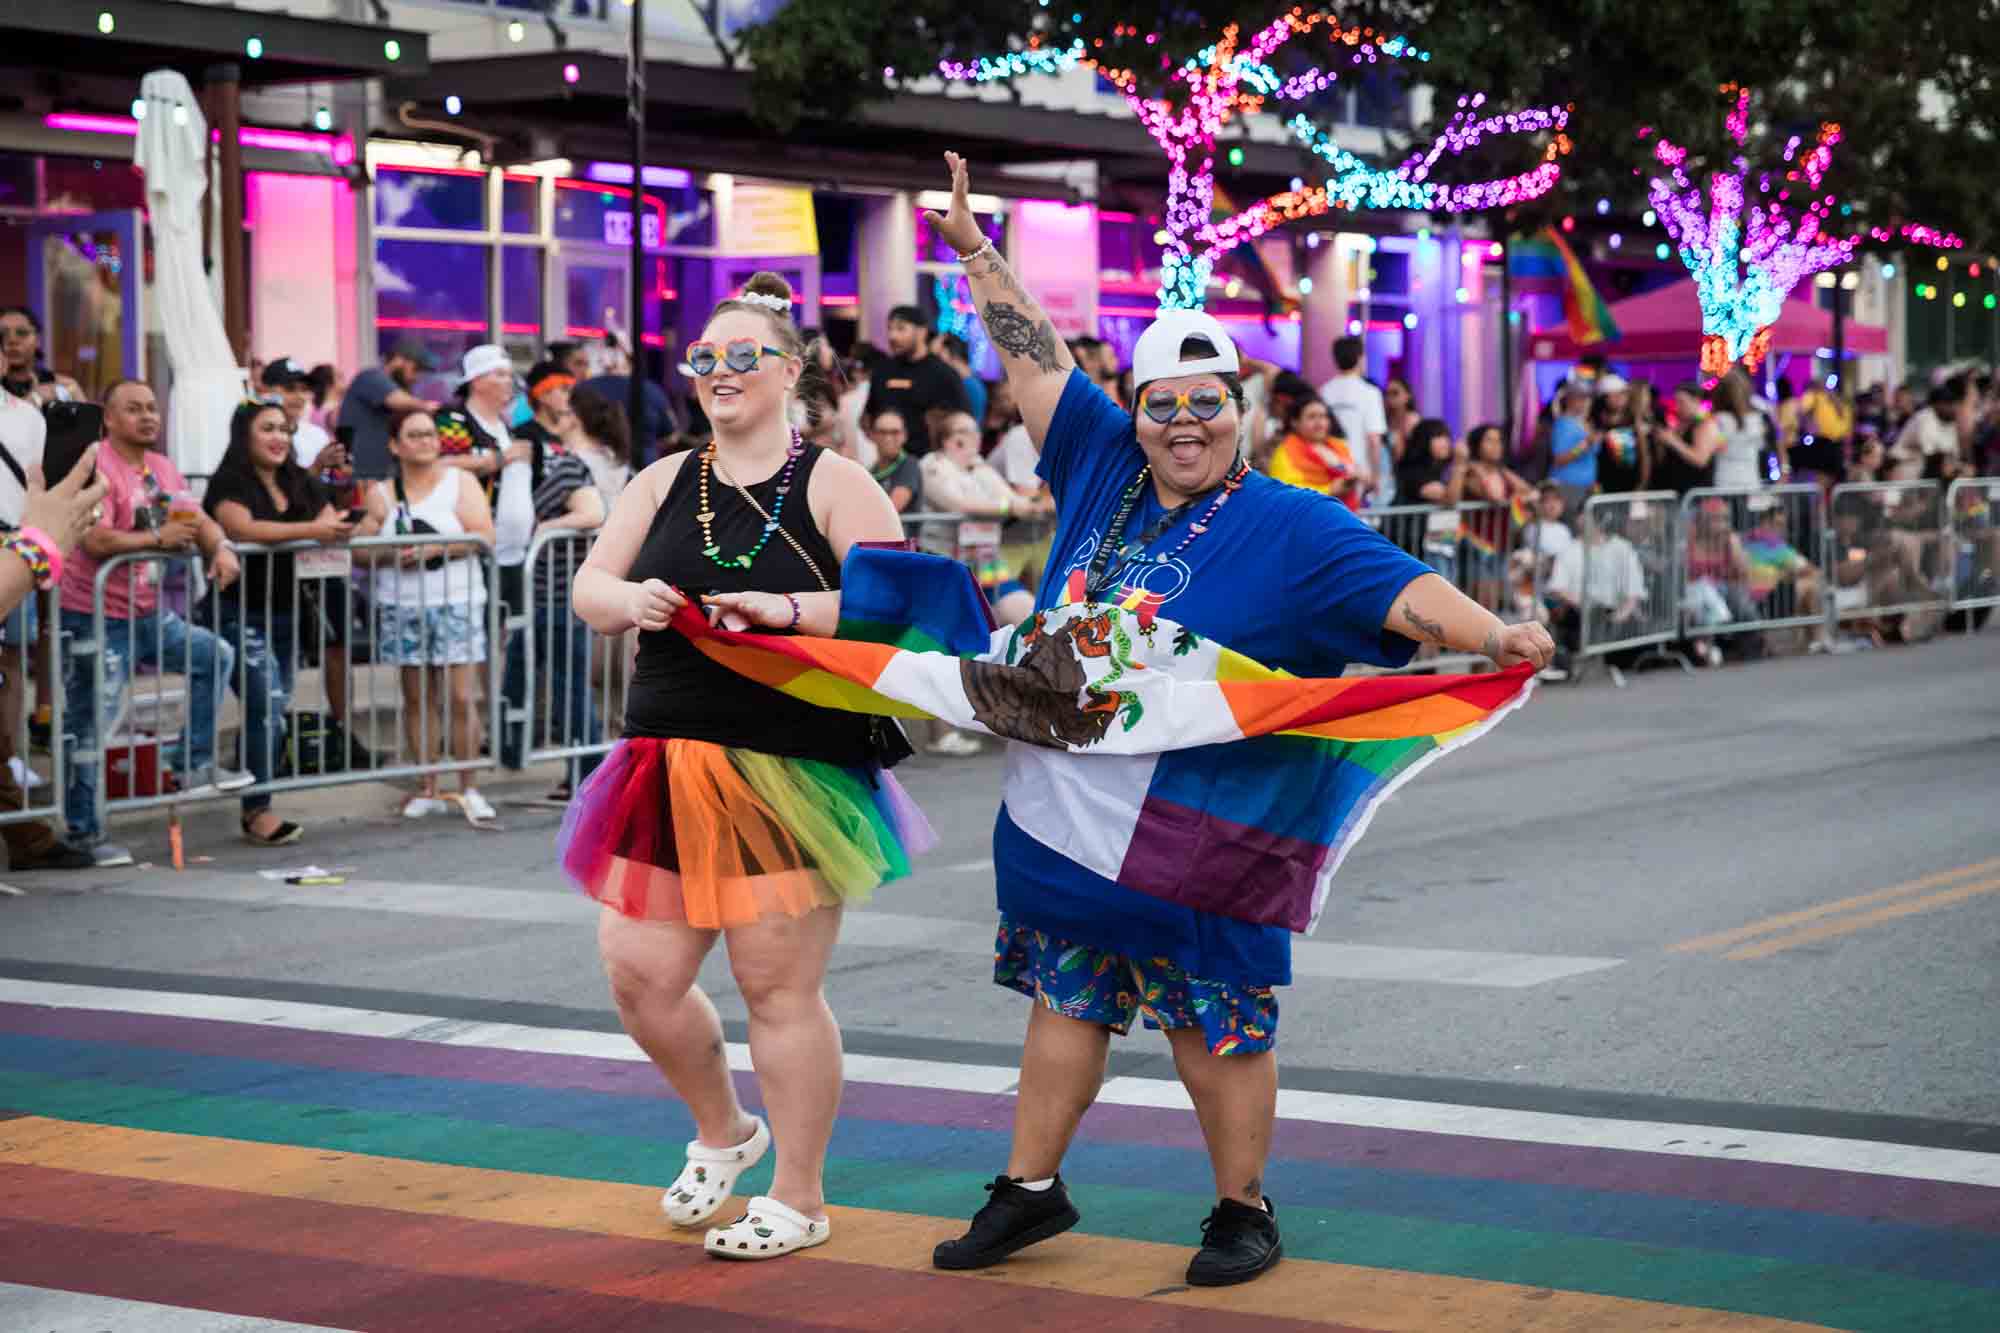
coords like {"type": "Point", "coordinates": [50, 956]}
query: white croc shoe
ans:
{"type": "Point", "coordinates": [768, 1230]}
{"type": "Point", "coordinates": [704, 1183]}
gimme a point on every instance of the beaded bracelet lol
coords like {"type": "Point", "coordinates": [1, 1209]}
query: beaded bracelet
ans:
{"type": "Point", "coordinates": [39, 552]}
{"type": "Point", "coordinates": [979, 250]}
{"type": "Point", "coordinates": [796, 610]}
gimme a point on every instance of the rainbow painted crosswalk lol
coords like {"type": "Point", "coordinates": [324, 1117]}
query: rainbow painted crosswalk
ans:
{"type": "Point", "coordinates": [351, 1169]}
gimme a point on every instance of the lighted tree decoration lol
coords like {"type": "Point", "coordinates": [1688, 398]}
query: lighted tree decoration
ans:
{"type": "Point", "coordinates": [1746, 256]}
{"type": "Point", "coordinates": [1234, 77]}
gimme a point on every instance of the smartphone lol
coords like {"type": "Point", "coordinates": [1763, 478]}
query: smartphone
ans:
{"type": "Point", "coordinates": [344, 436]}
{"type": "Point", "coordinates": [72, 428]}
{"type": "Point", "coordinates": [356, 515]}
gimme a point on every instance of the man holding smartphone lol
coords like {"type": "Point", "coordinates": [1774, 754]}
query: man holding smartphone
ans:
{"type": "Point", "coordinates": [147, 509]}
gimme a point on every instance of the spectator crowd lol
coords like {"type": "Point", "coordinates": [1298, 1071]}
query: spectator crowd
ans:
{"type": "Point", "coordinates": [350, 520]}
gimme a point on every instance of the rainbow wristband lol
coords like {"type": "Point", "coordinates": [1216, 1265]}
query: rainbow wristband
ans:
{"type": "Point", "coordinates": [40, 552]}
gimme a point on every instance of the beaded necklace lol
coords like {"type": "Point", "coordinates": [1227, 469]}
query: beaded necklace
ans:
{"type": "Point", "coordinates": [1103, 573]}
{"type": "Point", "coordinates": [706, 514]}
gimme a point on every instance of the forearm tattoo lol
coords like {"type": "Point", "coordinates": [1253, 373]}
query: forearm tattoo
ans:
{"type": "Point", "coordinates": [1014, 332]}
{"type": "Point", "coordinates": [1430, 629]}
{"type": "Point", "coordinates": [1489, 647]}
{"type": "Point", "coordinates": [993, 266]}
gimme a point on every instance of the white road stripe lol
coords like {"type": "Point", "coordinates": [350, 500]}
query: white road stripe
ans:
{"type": "Point", "coordinates": [47, 1310]}
{"type": "Point", "coordinates": [1741, 1145]}
{"type": "Point", "coordinates": [865, 929]}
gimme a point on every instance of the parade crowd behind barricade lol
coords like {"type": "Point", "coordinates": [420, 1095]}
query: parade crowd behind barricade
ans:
{"type": "Point", "coordinates": [404, 538]}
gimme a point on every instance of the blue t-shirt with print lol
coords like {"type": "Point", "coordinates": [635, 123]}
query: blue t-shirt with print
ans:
{"type": "Point", "coordinates": [1565, 437]}
{"type": "Point", "coordinates": [1283, 575]}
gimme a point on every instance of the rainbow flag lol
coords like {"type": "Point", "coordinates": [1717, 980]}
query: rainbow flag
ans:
{"type": "Point", "coordinates": [1549, 255]}
{"type": "Point", "coordinates": [1481, 542]}
{"type": "Point", "coordinates": [1239, 789]}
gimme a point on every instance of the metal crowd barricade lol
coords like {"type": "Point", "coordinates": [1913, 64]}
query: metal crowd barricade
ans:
{"type": "Point", "coordinates": [1974, 544]}
{"type": "Point", "coordinates": [1891, 550]}
{"type": "Point", "coordinates": [31, 795]}
{"type": "Point", "coordinates": [1626, 567]}
{"type": "Point", "coordinates": [570, 682]}
{"type": "Point", "coordinates": [264, 643]}
{"type": "Point", "coordinates": [1472, 546]}
{"type": "Point", "coordinates": [1745, 562]}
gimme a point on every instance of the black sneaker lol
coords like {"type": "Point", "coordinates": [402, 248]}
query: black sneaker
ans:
{"type": "Point", "coordinates": [60, 856]}
{"type": "Point", "coordinates": [1237, 1243]}
{"type": "Point", "coordinates": [1012, 1219]}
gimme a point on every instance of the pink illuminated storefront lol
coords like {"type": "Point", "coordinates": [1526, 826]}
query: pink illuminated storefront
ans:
{"type": "Point", "coordinates": [74, 244]}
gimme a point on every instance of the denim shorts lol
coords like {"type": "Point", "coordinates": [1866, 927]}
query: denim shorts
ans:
{"type": "Point", "coordinates": [1089, 984]}
{"type": "Point", "coordinates": [429, 635]}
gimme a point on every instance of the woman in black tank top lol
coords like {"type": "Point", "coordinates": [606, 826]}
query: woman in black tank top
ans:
{"type": "Point", "coordinates": [729, 807]}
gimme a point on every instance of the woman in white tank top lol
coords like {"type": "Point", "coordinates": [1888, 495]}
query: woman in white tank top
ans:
{"type": "Point", "coordinates": [1742, 434]}
{"type": "Point", "coordinates": [430, 606]}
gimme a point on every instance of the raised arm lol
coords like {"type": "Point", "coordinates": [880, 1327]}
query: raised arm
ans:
{"type": "Point", "coordinates": [1037, 362]}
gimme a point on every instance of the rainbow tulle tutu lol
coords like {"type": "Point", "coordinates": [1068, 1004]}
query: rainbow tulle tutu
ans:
{"type": "Point", "coordinates": [680, 830]}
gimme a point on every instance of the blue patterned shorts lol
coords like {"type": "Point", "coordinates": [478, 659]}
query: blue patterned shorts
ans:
{"type": "Point", "coordinates": [429, 635]}
{"type": "Point", "coordinates": [1089, 984]}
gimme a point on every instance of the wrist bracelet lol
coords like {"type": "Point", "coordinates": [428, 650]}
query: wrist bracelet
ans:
{"type": "Point", "coordinates": [797, 611]}
{"type": "Point", "coordinates": [977, 251]}
{"type": "Point", "coordinates": [39, 552]}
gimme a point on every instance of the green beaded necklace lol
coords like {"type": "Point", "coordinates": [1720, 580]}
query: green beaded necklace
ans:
{"type": "Point", "coordinates": [706, 514]}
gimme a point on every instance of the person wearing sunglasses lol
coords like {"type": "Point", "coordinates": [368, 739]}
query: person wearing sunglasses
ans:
{"type": "Point", "coordinates": [727, 808]}
{"type": "Point", "coordinates": [1155, 508]}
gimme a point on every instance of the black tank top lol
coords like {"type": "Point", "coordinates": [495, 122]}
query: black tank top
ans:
{"type": "Point", "coordinates": [677, 692]}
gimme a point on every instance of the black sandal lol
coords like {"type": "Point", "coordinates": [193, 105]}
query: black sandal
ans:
{"type": "Point", "coordinates": [286, 834]}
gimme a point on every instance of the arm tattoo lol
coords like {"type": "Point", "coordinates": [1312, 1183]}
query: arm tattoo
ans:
{"type": "Point", "coordinates": [1489, 647]}
{"type": "Point", "coordinates": [993, 266]}
{"type": "Point", "coordinates": [1430, 629]}
{"type": "Point", "coordinates": [1014, 333]}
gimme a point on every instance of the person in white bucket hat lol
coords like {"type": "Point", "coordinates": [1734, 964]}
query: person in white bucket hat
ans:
{"type": "Point", "coordinates": [1157, 513]}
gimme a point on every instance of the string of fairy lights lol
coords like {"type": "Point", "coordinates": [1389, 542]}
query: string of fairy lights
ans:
{"type": "Point", "coordinates": [1232, 77]}
{"type": "Point", "coordinates": [1748, 250]}
{"type": "Point", "coordinates": [1748, 238]}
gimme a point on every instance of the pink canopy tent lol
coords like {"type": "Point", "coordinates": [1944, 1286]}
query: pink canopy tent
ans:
{"type": "Point", "coordinates": [1665, 325]}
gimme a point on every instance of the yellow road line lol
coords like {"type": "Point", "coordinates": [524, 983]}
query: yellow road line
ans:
{"type": "Point", "coordinates": [1386, 1299]}
{"type": "Point", "coordinates": [1770, 924]}
{"type": "Point", "coordinates": [1847, 925]}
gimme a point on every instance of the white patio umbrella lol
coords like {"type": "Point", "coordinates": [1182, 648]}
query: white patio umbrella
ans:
{"type": "Point", "coordinates": [208, 384]}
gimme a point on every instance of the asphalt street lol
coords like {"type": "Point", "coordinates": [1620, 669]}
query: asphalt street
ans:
{"type": "Point", "coordinates": [1532, 922]}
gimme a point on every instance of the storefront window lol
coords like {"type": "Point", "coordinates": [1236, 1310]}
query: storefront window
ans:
{"type": "Point", "coordinates": [521, 294]}
{"type": "Point", "coordinates": [433, 290]}
{"type": "Point", "coordinates": [603, 213]}
{"type": "Point", "coordinates": [1389, 273]}
{"type": "Point", "coordinates": [520, 205]}
{"type": "Point", "coordinates": [434, 200]}
{"type": "Point", "coordinates": [690, 214]}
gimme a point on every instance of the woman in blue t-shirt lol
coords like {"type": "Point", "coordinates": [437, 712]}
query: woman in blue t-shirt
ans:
{"type": "Point", "coordinates": [1157, 503]}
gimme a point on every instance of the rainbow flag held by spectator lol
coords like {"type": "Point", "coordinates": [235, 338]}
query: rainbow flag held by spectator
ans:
{"type": "Point", "coordinates": [1548, 255]}
{"type": "Point", "coordinates": [1517, 509]}
{"type": "Point", "coordinates": [1479, 541]}
{"type": "Point", "coordinates": [1307, 760]}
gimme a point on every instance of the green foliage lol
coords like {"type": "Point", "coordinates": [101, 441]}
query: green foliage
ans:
{"type": "Point", "coordinates": [1910, 81]}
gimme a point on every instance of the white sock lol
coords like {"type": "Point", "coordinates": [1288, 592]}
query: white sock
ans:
{"type": "Point", "coordinates": [1037, 1185]}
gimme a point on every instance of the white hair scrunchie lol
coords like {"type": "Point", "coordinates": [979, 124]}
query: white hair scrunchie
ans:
{"type": "Point", "coordinates": [777, 303]}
